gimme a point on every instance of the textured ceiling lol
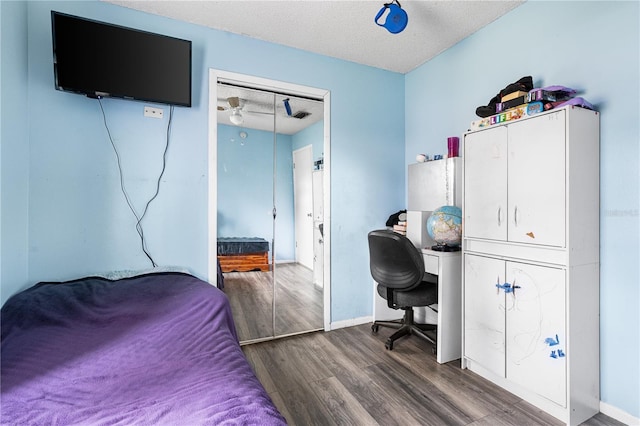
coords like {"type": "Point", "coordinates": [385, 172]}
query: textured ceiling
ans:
{"type": "Point", "coordinates": [336, 28]}
{"type": "Point", "coordinates": [340, 29]}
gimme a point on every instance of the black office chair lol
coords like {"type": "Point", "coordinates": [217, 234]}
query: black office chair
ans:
{"type": "Point", "coordinates": [398, 268]}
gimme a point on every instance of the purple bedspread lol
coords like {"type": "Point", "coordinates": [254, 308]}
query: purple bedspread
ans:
{"type": "Point", "coordinates": [157, 349]}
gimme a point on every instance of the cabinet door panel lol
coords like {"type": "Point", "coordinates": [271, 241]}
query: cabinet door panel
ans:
{"type": "Point", "coordinates": [484, 312]}
{"type": "Point", "coordinates": [536, 189]}
{"type": "Point", "coordinates": [536, 338]}
{"type": "Point", "coordinates": [485, 184]}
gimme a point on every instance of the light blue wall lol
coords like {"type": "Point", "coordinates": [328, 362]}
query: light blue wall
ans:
{"type": "Point", "coordinates": [14, 148]}
{"type": "Point", "coordinates": [245, 187]}
{"type": "Point", "coordinates": [590, 46]}
{"type": "Point", "coordinates": [78, 222]}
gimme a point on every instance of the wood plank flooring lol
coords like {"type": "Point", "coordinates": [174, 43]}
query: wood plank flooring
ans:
{"type": "Point", "coordinates": [346, 377]}
{"type": "Point", "coordinates": [299, 304]}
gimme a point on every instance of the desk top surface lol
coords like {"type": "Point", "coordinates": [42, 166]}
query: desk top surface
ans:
{"type": "Point", "coordinates": [441, 253]}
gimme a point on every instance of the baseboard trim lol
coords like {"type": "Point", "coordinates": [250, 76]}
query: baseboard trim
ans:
{"type": "Point", "coordinates": [351, 322]}
{"type": "Point", "coordinates": [618, 414]}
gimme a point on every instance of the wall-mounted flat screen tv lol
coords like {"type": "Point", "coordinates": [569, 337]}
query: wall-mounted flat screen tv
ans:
{"type": "Point", "coordinates": [98, 59]}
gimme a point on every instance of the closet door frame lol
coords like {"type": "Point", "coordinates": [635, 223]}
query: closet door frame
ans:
{"type": "Point", "coordinates": [277, 86]}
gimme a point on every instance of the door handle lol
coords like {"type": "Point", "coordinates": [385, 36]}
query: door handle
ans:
{"type": "Point", "coordinates": [507, 287]}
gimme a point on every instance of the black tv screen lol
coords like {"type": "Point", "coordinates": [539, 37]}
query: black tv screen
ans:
{"type": "Point", "coordinates": [104, 60]}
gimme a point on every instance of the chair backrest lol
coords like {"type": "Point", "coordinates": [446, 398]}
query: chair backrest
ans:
{"type": "Point", "coordinates": [394, 261]}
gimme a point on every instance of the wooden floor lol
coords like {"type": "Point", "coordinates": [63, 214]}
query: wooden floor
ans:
{"type": "Point", "coordinates": [346, 377]}
{"type": "Point", "coordinates": [299, 304]}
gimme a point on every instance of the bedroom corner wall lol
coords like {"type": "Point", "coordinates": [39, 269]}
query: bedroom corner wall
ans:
{"type": "Point", "coordinates": [14, 149]}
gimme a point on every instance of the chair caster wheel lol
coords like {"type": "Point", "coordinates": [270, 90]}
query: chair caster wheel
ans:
{"type": "Point", "coordinates": [374, 328]}
{"type": "Point", "coordinates": [434, 351]}
{"type": "Point", "coordinates": [388, 345]}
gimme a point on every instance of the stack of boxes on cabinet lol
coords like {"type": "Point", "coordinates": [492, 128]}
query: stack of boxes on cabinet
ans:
{"type": "Point", "coordinates": [521, 99]}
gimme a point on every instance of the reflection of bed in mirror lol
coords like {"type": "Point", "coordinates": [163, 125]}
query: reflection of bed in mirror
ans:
{"type": "Point", "coordinates": [243, 254]}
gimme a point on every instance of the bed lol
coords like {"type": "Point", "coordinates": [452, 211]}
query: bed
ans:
{"type": "Point", "coordinates": [242, 254]}
{"type": "Point", "coordinates": [157, 348]}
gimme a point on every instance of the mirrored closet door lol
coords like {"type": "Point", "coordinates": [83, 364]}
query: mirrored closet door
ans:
{"type": "Point", "coordinates": [269, 227]}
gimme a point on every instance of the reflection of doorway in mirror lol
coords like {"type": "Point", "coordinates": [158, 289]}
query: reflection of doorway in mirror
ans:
{"type": "Point", "coordinates": [303, 205]}
{"type": "Point", "coordinates": [318, 228]}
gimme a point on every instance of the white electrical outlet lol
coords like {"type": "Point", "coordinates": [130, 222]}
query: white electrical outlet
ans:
{"type": "Point", "coordinates": [153, 112]}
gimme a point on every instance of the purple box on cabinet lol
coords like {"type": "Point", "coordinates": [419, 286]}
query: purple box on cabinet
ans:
{"type": "Point", "coordinates": [541, 95]}
{"type": "Point", "coordinates": [503, 106]}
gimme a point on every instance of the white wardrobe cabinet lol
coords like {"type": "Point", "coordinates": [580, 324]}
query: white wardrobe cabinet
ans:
{"type": "Point", "coordinates": [531, 259]}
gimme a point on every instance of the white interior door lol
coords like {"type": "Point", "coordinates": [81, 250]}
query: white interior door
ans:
{"type": "Point", "coordinates": [303, 204]}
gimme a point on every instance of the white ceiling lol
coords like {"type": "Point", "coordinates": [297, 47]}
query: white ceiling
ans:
{"type": "Point", "coordinates": [340, 28]}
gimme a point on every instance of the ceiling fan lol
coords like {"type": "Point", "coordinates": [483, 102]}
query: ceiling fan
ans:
{"type": "Point", "coordinates": [236, 106]}
{"type": "Point", "coordinates": [233, 105]}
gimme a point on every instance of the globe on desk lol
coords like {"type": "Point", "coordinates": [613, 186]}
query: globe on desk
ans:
{"type": "Point", "coordinates": [444, 226]}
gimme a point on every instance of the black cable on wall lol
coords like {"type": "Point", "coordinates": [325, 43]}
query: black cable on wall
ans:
{"type": "Point", "coordinates": [139, 218]}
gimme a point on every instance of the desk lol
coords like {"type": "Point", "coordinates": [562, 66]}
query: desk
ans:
{"type": "Point", "coordinates": [447, 266]}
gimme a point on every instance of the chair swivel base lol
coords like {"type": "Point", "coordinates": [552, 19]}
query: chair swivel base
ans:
{"type": "Point", "coordinates": [405, 327]}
